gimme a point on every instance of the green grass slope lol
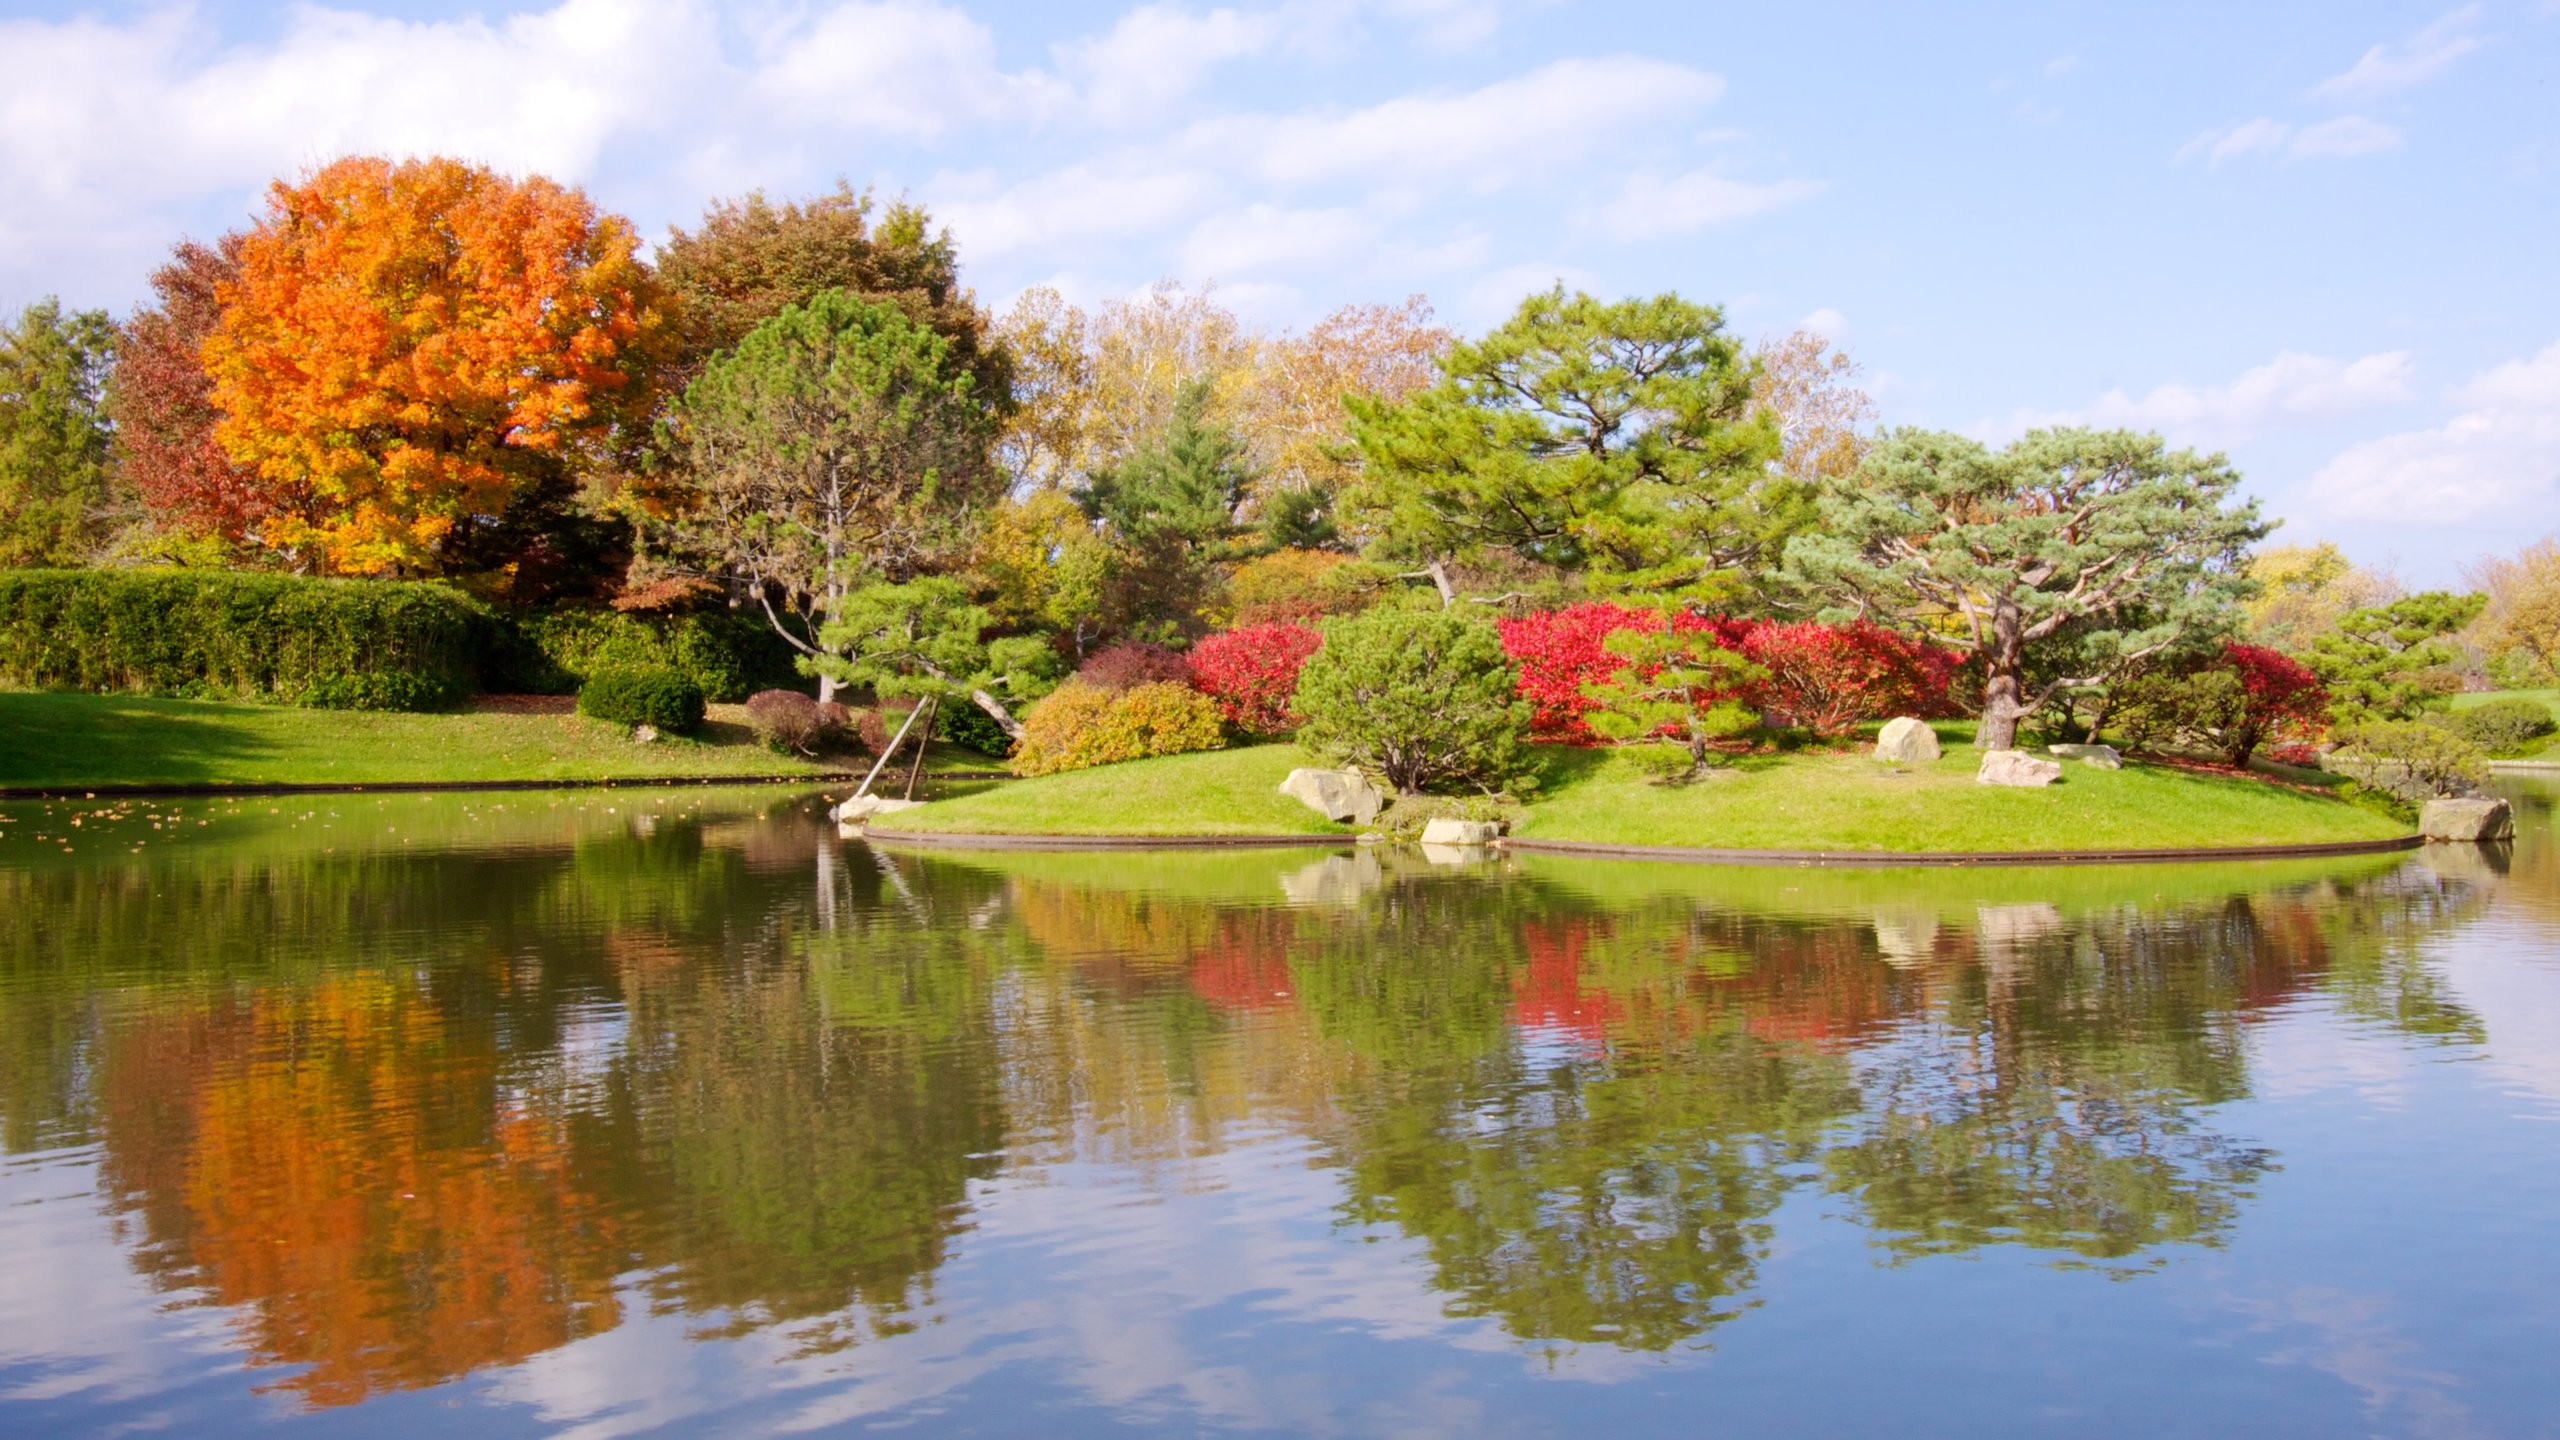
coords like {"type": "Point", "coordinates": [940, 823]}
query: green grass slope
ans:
{"type": "Point", "coordinates": [1212, 793]}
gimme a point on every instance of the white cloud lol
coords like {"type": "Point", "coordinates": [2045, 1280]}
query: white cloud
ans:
{"type": "Point", "coordinates": [1066, 207]}
{"type": "Point", "coordinates": [1491, 299]}
{"type": "Point", "coordinates": [902, 68]}
{"type": "Point", "coordinates": [2291, 387]}
{"type": "Point", "coordinates": [1493, 136]}
{"type": "Point", "coordinates": [2061, 65]}
{"type": "Point", "coordinates": [1649, 206]}
{"type": "Point", "coordinates": [1264, 237]}
{"type": "Point", "coordinates": [1828, 323]}
{"type": "Point", "coordinates": [2390, 68]}
{"type": "Point", "coordinates": [2499, 455]}
{"type": "Point", "coordinates": [2345, 137]}
{"type": "Point", "coordinates": [1157, 55]}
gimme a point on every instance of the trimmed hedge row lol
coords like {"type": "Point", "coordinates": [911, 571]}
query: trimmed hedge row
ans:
{"type": "Point", "coordinates": [667, 699]}
{"type": "Point", "coordinates": [346, 644]}
{"type": "Point", "coordinates": [340, 644]}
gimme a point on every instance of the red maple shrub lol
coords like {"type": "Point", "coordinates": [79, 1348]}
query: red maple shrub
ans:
{"type": "Point", "coordinates": [2280, 698]}
{"type": "Point", "coordinates": [162, 400]}
{"type": "Point", "coordinates": [1126, 667]}
{"type": "Point", "coordinates": [1252, 671]}
{"type": "Point", "coordinates": [1828, 678]}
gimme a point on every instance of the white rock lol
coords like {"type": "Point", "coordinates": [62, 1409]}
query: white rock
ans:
{"type": "Point", "coordinates": [644, 734]}
{"type": "Point", "coordinates": [2017, 767]}
{"type": "Point", "coordinates": [2102, 757]}
{"type": "Point", "coordinates": [1460, 832]}
{"type": "Point", "coordinates": [863, 807]}
{"type": "Point", "coordinates": [2467, 819]}
{"type": "Point", "coordinates": [1335, 794]}
{"type": "Point", "coordinates": [1907, 741]}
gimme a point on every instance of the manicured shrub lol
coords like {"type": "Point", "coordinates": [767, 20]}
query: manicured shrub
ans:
{"type": "Point", "coordinates": [667, 699]}
{"type": "Point", "coordinates": [1676, 686]}
{"type": "Point", "coordinates": [2231, 707]}
{"type": "Point", "coordinates": [2410, 759]}
{"type": "Point", "coordinates": [1422, 698]}
{"type": "Point", "coordinates": [1833, 678]}
{"type": "Point", "coordinates": [2500, 727]}
{"type": "Point", "coordinates": [729, 656]}
{"type": "Point", "coordinates": [349, 644]}
{"type": "Point", "coordinates": [1557, 652]}
{"type": "Point", "coordinates": [787, 720]}
{"type": "Point", "coordinates": [1125, 667]}
{"type": "Point", "coordinates": [1079, 725]}
{"type": "Point", "coordinates": [878, 725]}
{"type": "Point", "coordinates": [1251, 672]}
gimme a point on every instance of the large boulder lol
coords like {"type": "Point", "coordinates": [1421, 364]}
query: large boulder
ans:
{"type": "Point", "coordinates": [1460, 832]}
{"type": "Point", "coordinates": [1906, 741]}
{"type": "Point", "coordinates": [2103, 757]}
{"type": "Point", "coordinates": [863, 807]}
{"type": "Point", "coordinates": [2017, 767]}
{"type": "Point", "coordinates": [1335, 794]}
{"type": "Point", "coordinates": [2467, 819]}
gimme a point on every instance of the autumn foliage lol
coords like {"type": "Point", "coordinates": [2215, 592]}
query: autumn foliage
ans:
{"type": "Point", "coordinates": [1251, 673]}
{"type": "Point", "coordinates": [410, 345]}
{"type": "Point", "coordinates": [162, 400]}
{"type": "Point", "coordinates": [1828, 678]}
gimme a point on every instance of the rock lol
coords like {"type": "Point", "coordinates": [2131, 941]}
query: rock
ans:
{"type": "Point", "coordinates": [2017, 767]}
{"type": "Point", "coordinates": [2103, 757]}
{"type": "Point", "coordinates": [1335, 794]}
{"type": "Point", "coordinates": [1907, 741]}
{"type": "Point", "coordinates": [1460, 832]}
{"type": "Point", "coordinates": [863, 807]}
{"type": "Point", "coordinates": [2467, 819]}
{"type": "Point", "coordinates": [644, 734]}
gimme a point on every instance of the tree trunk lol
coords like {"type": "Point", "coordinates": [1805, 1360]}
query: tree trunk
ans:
{"type": "Point", "coordinates": [827, 688]}
{"type": "Point", "coordinates": [996, 712]}
{"type": "Point", "coordinates": [2001, 706]}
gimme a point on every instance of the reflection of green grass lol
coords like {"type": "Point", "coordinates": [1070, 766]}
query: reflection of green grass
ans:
{"type": "Point", "coordinates": [67, 740]}
{"type": "Point", "coordinates": [1241, 876]}
{"type": "Point", "coordinates": [1215, 792]}
{"type": "Point", "coordinates": [1849, 802]}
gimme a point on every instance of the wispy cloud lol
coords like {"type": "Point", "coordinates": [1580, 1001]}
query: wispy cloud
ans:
{"type": "Point", "coordinates": [2346, 137]}
{"type": "Point", "coordinates": [2412, 60]}
{"type": "Point", "coordinates": [2499, 454]}
{"type": "Point", "coordinates": [1649, 207]}
{"type": "Point", "coordinates": [2293, 386]}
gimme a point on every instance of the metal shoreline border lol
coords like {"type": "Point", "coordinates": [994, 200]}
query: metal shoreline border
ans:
{"type": "Point", "coordinates": [417, 787]}
{"type": "Point", "coordinates": [1696, 855]}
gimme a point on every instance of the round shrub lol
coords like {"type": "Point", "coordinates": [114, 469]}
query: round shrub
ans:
{"type": "Point", "coordinates": [667, 699]}
{"type": "Point", "coordinates": [2500, 726]}
{"type": "Point", "coordinates": [1125, 667]}
{"type": "Point", "coordinates": [2412, 760]}
{"type": "Point", "coordinates": [1422, 698]}
{"type": "Point", "coordinates": [877, 726]}
{"type": "Point", "coordinates": [1251, 673]}
{"type": "Point", "coordinates": [786, 720]}
{"type": "Point", "coordinates": [728, 655]}
{"type": "Point", "coordinates": [1079, 725]}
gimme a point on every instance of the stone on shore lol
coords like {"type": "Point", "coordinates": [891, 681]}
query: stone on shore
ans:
{"type": "Point", "coordinates": [1906, 741]}
{"type": "Point", "coordinates": [863, 807]}
{"type": "Point", "coordinates": [1460, 832]}
{"type": "Point", "coordinates": [2467, 819]}
{"type": "Point", "coordinates": [1341, 795]}
{"type": "Point", "coordinates": [2103, 757]}
{"type": "Point", "coordinates": [2018, 768]}
{"type": "Point", "coordinates": [644, 734]}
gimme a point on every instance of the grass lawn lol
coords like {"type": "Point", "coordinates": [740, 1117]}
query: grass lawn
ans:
{"type": "Point", "coordinates": [1849, 802]}
{"type": "Point", "coordinates": [53, 739]}
{"type": "Point", "coordinates": [1215, 792]}
{"type": "Point", "coordinates": [1791, 802]}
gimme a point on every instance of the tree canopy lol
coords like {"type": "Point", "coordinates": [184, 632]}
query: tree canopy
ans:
{"type": "Point", "coordinates": [53, 433]}
{"type": "Point", "coordinates": [2106, 540]}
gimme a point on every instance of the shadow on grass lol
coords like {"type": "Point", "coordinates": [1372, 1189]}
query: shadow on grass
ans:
{"type": "Point", "coordinates": [60, 739]}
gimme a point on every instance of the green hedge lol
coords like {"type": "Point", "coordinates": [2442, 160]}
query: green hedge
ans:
{"type": "Point", "coordinates": [346, 644]}
{"type": "Point", "coordinates": [668, 699]}
{"type": "Point", "coordinates": [729, 656]}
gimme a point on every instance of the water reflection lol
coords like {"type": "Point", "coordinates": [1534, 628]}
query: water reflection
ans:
{"type": "Point", "coordinates": [410, 1089]}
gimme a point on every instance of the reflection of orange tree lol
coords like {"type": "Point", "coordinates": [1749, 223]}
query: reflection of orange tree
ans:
{"type": "Point", "coordinates": [354, 1184]}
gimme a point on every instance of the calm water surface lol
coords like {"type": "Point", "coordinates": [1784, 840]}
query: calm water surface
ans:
{"type": "Point", "coordinates": [631, 1112]}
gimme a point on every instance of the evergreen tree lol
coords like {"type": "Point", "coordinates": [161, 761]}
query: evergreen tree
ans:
{"type": "Point", "coordinates": [53, 433]}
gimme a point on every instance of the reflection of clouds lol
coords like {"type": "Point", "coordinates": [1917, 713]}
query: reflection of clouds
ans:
{"type": "Point", "coordinates": [2518, 1002]}
{"type": "Point", "coordinates": [2354, 1338]}
{"type": "Point", "coordinates": [77, 1316]}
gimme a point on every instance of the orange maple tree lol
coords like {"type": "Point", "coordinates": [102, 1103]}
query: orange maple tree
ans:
{"type": "Point", "coordinates": [407, 346]}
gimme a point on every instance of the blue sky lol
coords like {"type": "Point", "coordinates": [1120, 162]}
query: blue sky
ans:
{"type": "Point", "coordinates": [2318, 236]}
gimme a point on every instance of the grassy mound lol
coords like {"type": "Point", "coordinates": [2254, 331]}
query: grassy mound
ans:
{"type": "Point", "coordinates": [1773, 802]}
{"type": "Point", "coordinates": [1212, 792]}
{"type": "Point", "coordinates": [54, 739]}
{"type": "Point", "coordinates": [1849, 802]}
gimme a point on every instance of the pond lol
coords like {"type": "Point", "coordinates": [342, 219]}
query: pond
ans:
{"type": "Point", "coordinates": [628, 1111]}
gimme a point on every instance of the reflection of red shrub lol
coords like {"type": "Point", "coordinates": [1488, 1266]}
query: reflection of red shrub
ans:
{"type": "Point", "coordinates": [1547, 994]}
{"type": "Point", "coordinates": [1251, 673]}
{"type": "Point", "coordinates": [1826, 677]}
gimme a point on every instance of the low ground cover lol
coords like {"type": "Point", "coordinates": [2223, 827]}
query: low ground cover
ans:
{"type": "Point", "coordinates": [58, 739]}
{"type": "Point", "coordinates": [1804, 801]}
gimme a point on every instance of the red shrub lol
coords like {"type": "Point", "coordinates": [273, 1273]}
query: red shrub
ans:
{"type": "Point", "coordinates": [1251, 673]}
{"type": "Point", "coordinates": [1126, 667]}
{"type": "Point", "coordinates": [1829, 678]}
{"type": "Point", "coordinates": [1826, 677]}
{"type": "Point", "coordinates": [2282, 700]}
{"type": "Point", "coordinates": [1558, 652]}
